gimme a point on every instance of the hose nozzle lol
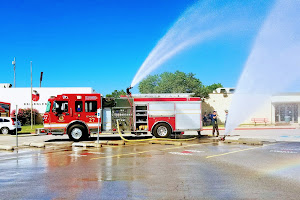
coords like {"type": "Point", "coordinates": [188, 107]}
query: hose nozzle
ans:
{"type": "Point", "coordinates": [128, 90]}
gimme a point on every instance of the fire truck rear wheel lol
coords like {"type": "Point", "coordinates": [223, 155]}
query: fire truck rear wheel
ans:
{"type": "Point", "coordinates": [162, 130]}
{"type": "Point", "coordinates": [77, 132]}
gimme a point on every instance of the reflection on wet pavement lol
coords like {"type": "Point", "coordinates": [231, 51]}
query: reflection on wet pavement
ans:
{"type": "Point", "coordinates": [144, 171]}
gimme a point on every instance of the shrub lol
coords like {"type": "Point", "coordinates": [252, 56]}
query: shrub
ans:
{"type": "Point", "coordinates": [24, 115]}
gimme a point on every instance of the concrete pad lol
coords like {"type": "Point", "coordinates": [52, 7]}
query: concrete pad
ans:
{"type": "Point", "coordinates": [231, 141]}
{"type": "Point", "coordinates": [6, 147]}
{"type": "Point", "coordinates": [38, 145]}
{"type": "Point", "coordinates": [102, 142]}
{"type": "Point", "coordinates": [26, 144]}
{"type": "Point", "coordinates": [88, 144]}
{"type": "Point", "coordinates": [250, 141]}
{"type": "Point", "coordinates": [117, 142]}
{"type": "Point", "coordinates": [98, 145]}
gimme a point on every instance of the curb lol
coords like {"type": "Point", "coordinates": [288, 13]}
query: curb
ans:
{"type": "Point", "coordinates": [34, 144]}
{"type": "Point", "coordinates": [247, 141]}
{"type": "Point", "coordinates": [38, 145]}
{"type": "Point", "coordinates": [7, 147]}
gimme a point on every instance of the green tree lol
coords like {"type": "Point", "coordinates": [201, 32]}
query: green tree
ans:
{"type": "Point", "coordinates": [116, 93]}
{"type": "Point", "coordinates": [177, 82]}
{"type": "Point", "coordinates": [214, 86]}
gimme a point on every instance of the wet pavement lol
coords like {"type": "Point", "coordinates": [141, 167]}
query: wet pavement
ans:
{"type": "Point", "coordinates": [200, 169]}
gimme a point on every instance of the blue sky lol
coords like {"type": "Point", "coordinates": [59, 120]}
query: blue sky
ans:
{"type": "Point", "coordinates": [101, 44]}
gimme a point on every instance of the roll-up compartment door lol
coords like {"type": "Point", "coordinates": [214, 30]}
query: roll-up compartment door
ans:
{"type": "Point", "coordinates": [161, 110]}
{"type": "Point", "coordinates": [188, 116]}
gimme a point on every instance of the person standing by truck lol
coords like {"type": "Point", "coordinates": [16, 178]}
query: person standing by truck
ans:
{"type": "Point", "coordinates": [214, 122]}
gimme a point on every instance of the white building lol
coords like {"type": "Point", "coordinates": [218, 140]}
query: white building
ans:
{"type": "Point", "coordinates": [21, 96]}
{"type": "Point", "coordinates": [279, 109]}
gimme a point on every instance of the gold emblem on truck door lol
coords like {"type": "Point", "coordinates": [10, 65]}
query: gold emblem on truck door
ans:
{"type": "Point", "coordinates": [61, 118]}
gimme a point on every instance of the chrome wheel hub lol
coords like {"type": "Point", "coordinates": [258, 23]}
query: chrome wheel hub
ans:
{"type": "Point", "coordinates": [162, 131]}
{"type": "Point", "coordinates": [76, 133]}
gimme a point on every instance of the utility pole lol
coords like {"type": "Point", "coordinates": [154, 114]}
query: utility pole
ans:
{"type": "Point", "coordinates": [41, 79]}
{"type": "Point", "coordinates": [14, 63]}
{"type": "Point", "coordinates": [31, 92]}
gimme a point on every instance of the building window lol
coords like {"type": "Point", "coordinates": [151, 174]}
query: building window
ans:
{"type": "Point", "coordinates": [296, 113]}
{"type": "Point", "coordinates": [286, 113]}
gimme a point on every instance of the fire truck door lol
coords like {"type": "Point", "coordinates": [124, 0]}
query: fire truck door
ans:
{"type": "Point", "coordinates": [91, 113]}
{"type": "Point", "coordinates": [61, 112]}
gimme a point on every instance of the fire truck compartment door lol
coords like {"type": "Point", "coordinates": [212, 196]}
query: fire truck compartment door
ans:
{"type": "Point", "coordinates": [107, 119]}
{"type": "Point", "coordinates": [188, 116]}
{"type": "Point", "coordinates": [161, 110]}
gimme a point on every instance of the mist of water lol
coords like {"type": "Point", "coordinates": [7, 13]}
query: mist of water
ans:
{"type": "Point", "coordinates": [273, 64]}
{"type": "Point", "coordinates": [200, 22]}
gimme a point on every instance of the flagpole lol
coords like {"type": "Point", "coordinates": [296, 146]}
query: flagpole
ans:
{"type": "Point", "coordinates": [31, 92]}
{"type": "Point", "coordinates": [14, 63]}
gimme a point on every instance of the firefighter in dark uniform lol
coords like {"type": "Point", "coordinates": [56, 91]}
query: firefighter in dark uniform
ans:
{"type": "Point", "coordinates": [214, 121]}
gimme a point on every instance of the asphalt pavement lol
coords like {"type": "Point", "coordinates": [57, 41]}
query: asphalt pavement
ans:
{"type": "Point", "coordinates": [199, 169]}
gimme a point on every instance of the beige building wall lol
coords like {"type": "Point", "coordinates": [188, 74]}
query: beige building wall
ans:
{"type": "Point", "coordinates": [218, 102]}
{"type": "Point", "coordinates": [221, 102]}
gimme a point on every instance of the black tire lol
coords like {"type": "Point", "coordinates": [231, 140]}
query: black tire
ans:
{"type": "Point", "coordinates": [4, 130]}
{"type": "Point", "coordinates": [162, 130]}
{"type": "Point", "coordinates": [77, 133]}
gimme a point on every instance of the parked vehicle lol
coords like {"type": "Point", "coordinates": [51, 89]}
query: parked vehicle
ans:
{"type": "Point", "coordinates": [76, 115]}
{"type": "Point", "coordinates": [8, 125]}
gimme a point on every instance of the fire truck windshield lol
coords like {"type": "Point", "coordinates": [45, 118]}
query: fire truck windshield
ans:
{"type": "Point", "coordinates": [48, 107]}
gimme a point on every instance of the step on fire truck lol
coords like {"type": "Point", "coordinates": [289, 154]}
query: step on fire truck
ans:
{"type": "Point", "coordinates": [159, 115]}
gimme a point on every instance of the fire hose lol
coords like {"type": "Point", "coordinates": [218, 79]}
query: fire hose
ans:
{"type": "Point", "coordinates": [143, 140]}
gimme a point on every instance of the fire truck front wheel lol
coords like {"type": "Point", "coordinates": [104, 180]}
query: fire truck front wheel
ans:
{"type": "Point", "coordinates": [77, 132]}
{"type": "Point", "coordinates": [162, 130]}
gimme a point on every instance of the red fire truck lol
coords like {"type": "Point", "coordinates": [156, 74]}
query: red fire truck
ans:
{"type": "Point", "coordinates": [76, 115]}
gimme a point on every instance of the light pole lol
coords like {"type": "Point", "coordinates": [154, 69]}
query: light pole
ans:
{"type": "Point", "coordinates": [14, 63]}
{"type": "Point", "coordinates": [41, 79]}
{"type": "Point", "coordinates": [31, 91]}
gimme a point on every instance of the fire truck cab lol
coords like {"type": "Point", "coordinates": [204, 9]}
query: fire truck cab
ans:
{"type": "Point", "coordinates": [76, 115]}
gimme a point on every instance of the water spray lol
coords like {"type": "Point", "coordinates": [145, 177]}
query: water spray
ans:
{"type": "Point", "coordinates": [200, 22]}
{"type": "Point", "coordinates": [275, 55]}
